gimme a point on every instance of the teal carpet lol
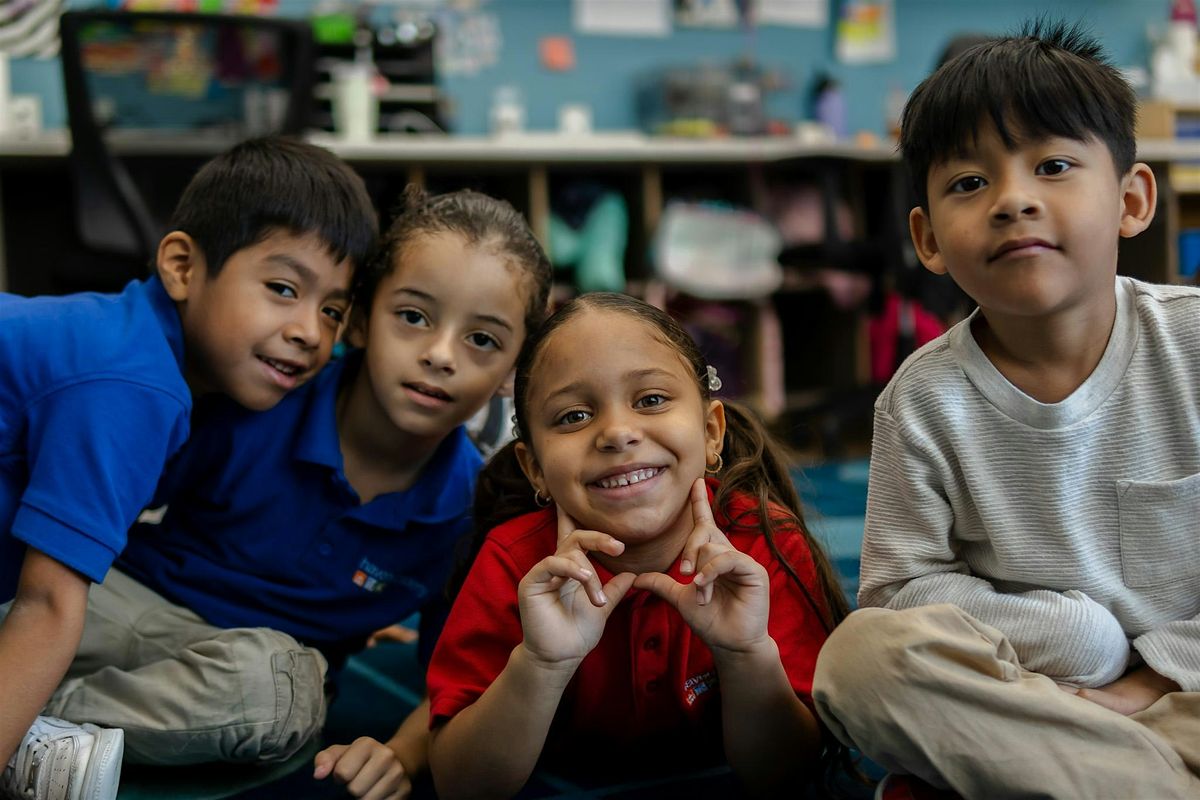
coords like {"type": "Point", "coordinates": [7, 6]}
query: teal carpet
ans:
{"type": "Point", "coordinates": [382, 685]}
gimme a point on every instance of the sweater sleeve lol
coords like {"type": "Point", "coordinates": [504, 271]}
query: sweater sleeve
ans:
{"type": "Point", "coordinates": [910, 558]}
{"type": "Point", "coordinates": [1173, 651]}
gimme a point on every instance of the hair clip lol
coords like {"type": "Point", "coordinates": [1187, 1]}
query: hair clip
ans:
{"type": "Point", "coordinates": [516, 429]}
{"type": "Point", "coordinates": [714, 383]}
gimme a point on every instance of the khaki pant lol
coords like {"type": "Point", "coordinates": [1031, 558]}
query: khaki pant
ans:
{"type": "Point", "coordinates": [185, 691]}
{"type": "Point", "coordinates": [933, 692]}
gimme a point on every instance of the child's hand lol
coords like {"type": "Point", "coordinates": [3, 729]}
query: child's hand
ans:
{"type": "Point", "coordinates": [392, 633]}
{"type": "Point", "coordinates": [369, 769]}
{"type": "Point", "coordinates": [728, 602]}
{"type": "Point", "coordinates": [1133, 692]}
{"type": "Point", "coordinates": [563, 606]}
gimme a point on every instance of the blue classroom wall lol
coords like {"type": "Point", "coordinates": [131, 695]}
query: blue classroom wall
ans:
{"type": "Point", "coordinates": [607, 66]}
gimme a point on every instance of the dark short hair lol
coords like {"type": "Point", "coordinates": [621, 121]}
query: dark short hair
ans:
{"type": "Point", "coordinates": [482, 221]}
{"type": "Point", "coordinates": [271, 184]}
{"type": "Point", "coordinates": [1051, 79]}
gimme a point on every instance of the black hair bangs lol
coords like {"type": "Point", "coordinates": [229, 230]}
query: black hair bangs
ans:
{"type": "Point", "coordinates": [1048, 81]}
{"type": "Point", "coordinates": [271, 184]}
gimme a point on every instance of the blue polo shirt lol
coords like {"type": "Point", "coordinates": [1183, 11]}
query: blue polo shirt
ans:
{"type": "Point", "coordinates": [92, 404]}
{"type": "Point", "coordinates": [263, 529]}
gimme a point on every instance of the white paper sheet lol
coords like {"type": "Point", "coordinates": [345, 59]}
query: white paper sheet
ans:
{"type": "Point", "coordinates": [796, 13]}
{"type": "Point", "coordinates": [623, 17]}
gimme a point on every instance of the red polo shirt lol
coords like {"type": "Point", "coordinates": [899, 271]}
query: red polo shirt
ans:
{"type": "Point", "coordinates": [650, 681]}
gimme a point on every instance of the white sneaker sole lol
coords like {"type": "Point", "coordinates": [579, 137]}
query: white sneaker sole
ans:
{"type": "Point", "coordinates": [103, 774]}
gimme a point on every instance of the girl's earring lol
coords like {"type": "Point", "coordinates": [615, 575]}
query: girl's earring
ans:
{"type": "Point", "coordinates": [540, 500]}
{"type": "Point", "coordinates": [716, 467]}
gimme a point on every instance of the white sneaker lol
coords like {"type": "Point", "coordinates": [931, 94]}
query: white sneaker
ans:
{"type": "Point", "coordinates": [59, 760]}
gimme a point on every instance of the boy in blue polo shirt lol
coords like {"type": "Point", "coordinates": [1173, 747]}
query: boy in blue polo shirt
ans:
{"type": "Point", "coordinates": [291, 536]}
{"type": "Point", "coordinates": [96, 393]}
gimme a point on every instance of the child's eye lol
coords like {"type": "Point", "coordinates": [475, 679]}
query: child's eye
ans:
{"type": "Point", "coordinates": [412, 316]}
{"type": "Point", "coordinates": [650, 401]}
{"type": "Point", "coordinates": [573, 417]}
{"type": "Point", "coordinates": [967, 184]}
{"type": "Point", "coordinates": [282, 289]}
{"type": "Point", "coordinates": [484, 341]}
{"type": "Point", "coordinates": [335, 314]}
{"type": "Point", "coordinates": [1054, 166]}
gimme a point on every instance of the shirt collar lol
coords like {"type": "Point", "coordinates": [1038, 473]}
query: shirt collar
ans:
{"type": "Point", "coordinates": [316, 434]}
{"type": "Point", "coordinates": [442, 491]}
{"type": "Point", "coordinates": [446, 486]}
{"type": "Point", "coordinates": [167, 313]}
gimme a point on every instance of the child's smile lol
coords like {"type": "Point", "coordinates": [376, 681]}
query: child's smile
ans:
{"type": "Point", "coordinates": [619, 432]}
{"type": "Point", "coordinates": [625, 477]}
{"type": "Point", "coordinates": [275, 309]}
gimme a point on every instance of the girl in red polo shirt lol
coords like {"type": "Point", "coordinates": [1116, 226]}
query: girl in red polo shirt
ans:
{"type": "Point", "coordinates": [628, 611]}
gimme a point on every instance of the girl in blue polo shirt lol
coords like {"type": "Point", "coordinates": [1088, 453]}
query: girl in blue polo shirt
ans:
{"type": "Point", "coordinates": [291, 535]}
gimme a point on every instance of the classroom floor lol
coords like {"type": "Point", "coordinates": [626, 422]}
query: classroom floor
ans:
{"type": "Point", "coordinates": [382, 685]}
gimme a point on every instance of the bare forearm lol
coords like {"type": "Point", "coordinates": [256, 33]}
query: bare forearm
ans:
{"type": "Point", "coordinates": [38, 640]}
{"type": "Point", "coordinates": [490, 748]}
{"type": "Point", "coordinates": [770, 735]}
{"type": "Point", "coordinates": [410, 743]}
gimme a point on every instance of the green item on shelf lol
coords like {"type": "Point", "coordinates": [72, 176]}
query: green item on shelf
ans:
{"type": "Point", "coordinates": [596, 250]}
{"type": "Point", "coordinates": [335, 28]}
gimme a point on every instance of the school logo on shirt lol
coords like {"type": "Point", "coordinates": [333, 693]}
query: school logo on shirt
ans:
{"type": "Point", "coordinates": [371, 577]}
{"type": "Point", "coordinates": [697, 685]}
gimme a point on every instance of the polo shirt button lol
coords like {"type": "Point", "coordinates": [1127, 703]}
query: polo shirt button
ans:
{"type": "Point", "coordinates": [653, 685]}
{"type": "Point", "coordinates": [652, 643]}
{"type": "Point", "coordinates": [325, 549]}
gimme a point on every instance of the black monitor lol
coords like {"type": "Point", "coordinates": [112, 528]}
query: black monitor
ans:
{"type": "Point", "coordinates": [161, 82]}
{"type": "Point", "coordinates": [226, 75]}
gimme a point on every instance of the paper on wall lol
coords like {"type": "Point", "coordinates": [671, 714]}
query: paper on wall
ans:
{"type": "Point", "coordinates": [796, 13]}
{"type": "Point", "coordinates": [623, 17]}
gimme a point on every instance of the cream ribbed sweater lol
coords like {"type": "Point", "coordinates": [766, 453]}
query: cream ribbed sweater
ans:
{"type": "Point", "coordinates": [1073, 527]}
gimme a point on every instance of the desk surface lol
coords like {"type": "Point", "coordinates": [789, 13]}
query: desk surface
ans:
{"type": "Point", "coordinates": [538, 148]}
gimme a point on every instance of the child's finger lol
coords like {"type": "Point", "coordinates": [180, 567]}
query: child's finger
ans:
{"type": "Point", "coordinates": [566, 525]}
{"type": "Point", "coordinates": [393, 785]}
{"type": "Point", "coordinates": [549, 574]}
{"type": "Point", "coordinates": [616, 589]}
{"type": "Point", "coordinates": [731, 563]}
{"type": "Point", "coordinates": [552, 567]}
{"type": "Point", "coordinates": [392, 633]}
{"type": "Point", "coordinates": [378, 777]}
{"type": "Point", "coordinates": [701, 510]}
{"type": "Point", "coordinates": [591, 541]}
{"type": "Point", "coordinates": [702, 526]}
{"type": "Point", "coordinates": [659, 584]}
{"type": "Point", "coordinates": [591, 584]}
{"type": "Point", "coordinates": [702, 514]}
{"type": "Point", "coordinates": [325, 761]}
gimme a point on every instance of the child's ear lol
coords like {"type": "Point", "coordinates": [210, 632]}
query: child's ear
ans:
{"type": "Point", "coordinates": [714, 430]}
{"type": "Point", "coordinates": [355, 333]}
{"type": "Point", "coordinates": [924, 241]}
{"type": "Point", "coordinates": [179, 264]}
{"type": "Point", "coordinates": [1139, 198]}
{"type": "Point", "coordinates": [506, 388]}
{"type": "Point", "coordinates": [529, 466]}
